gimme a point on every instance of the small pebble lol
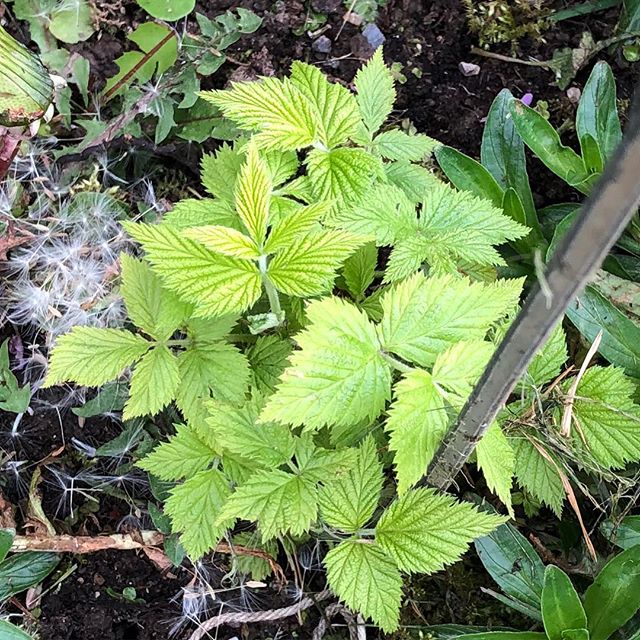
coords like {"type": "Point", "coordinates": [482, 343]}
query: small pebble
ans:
{"type": "Point", "coordinates": [469, 69]}
{"type": "Point", "coordinates": [322, 45]}
{"type": "Point", "coordinates": [573, 93]}
{"type": "Point", "coordinates": [352, 18]}
{"type": "Point", "coordinates": [374, 36]}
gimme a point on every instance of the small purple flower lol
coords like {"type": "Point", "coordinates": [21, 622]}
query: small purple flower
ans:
{"type": "Point", "coordinates": [527, 99]}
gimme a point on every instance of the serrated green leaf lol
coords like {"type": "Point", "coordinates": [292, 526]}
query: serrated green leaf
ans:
{"type": "Point", "coordinates": [414, 180]}
{"type": "Point", "coordinates": [267, 445]}
{"type": "Point", "coordinates": [338, 115]}
{"type": "Point", "coordinates": [348, 503]}
{"type": "Point", "coordinates": [606, 417]}
{"type": "Point", "coordinates": [281, 165]}
{"type": "Point", "coordinates": [199, 213]}
{"type": "Point", "coordinates": [268, 358]}
{"type": "Point", "coordinates": [425, 316]}
{"type": "Point", "coordinates": [194, 507]}
{"type": "Point", "coordinates": [156, 311]}
{"type": "Point", "coordinates": [376, 94]}
{"type": "Point", "coordinates": [90, 356]}
{"type": "Point", "coordinates": [317, 464]}
{"type": "Point", "coordinates": [423, 531]}
{"type": "Point", "coordinates": [547, 364]}
{"type": "Point", "coordinates": [537, 475]}
{"type": "Point", "coordinates": [308, 266]}
{"type": "Point", "coordinates": [182, 456]}
{"type": "Point", "coordinates": [207, 370]}
{"type": "Point", "coordinates": [218, 285]}
{"type": "Point", "coordinates": [153, 383]}
{"type": "Point", "coordinates": [338, 376]}
{"type": "Point", "coordinates": [224, 240]}
{"type": "Point", "coordinates": [386, 214]}
{"type": "Point", "coordinates": [363, 576]}
{"type": "Point", "coordinates": [256, 567]}
{"type": "Point", "coordinates": [220, 171]}
{"type": "Point", "coordinates": [252, 195]}
{"type": "Point", "coordinates": [497, 462]}
{"type": "Point", "coordinates": [280, 502]}
{"type": "Point", "coordinates": [294, 225]}
{"type": "Point", "coordinates": [417, 423]}
{"type": "Point", "coordinates": [359, 270]}
{"type": "Point", "coordinates": [282, 114]}
{"type": "Point", "coordinates": [341, 175]}
{"type": "Point", "coordinates": [397, 145]}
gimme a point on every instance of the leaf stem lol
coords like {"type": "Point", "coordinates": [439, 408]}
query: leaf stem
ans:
{"type": "Point", "coordinates": [272, 293]}
{"type": "Point", "coordinates": [398, 365]}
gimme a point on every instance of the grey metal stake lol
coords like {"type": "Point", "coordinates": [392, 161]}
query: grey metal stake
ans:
{"type": "Point", "coordinates": [600, 222]}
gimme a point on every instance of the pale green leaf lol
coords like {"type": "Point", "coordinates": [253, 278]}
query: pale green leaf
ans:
{"type": "Point", "coordinates": [220, 171]}
{"type": "Point", "coordinates": [308, 266]}
{"type": "Point", "coordinates": [156, 311]}
{"type": "Point", "coordinates": [349, 502]}
{"type": "Point", "coordinates": [367, 580]}
{"type": "Point", "coordinates": [194, 507]}
{"type": "Point", "coordinates": [224, 240]}
{"type": "Point", "coordinates": [90, 356]}
{"type": "Point", "coordinates": [318, 464]}
{"type": "Point", "coordinates": [280, 502]}
{"type": "Point", "coordinates": [182, 456]}
{"type": "Point", "coordinates": [282, 165]}
{"type": "Point", "coordinates": [425, 316]}
{"type": "Point", "coordinates": [282, 114]}
{"type": "Point", "coordinates": [496, 460]}
{"type": "Point", "coordinates": [547, 363]}
{"type": "Point", "coordinates": [423, 531]}
{"type": "Point", "coordinates": [153, 383]}
{"type": "Point", "coordinates": [210, 370]}
{"type": "Point", "coordinates": [341, 175]}
{"type": "Point", "coordinates": [252, 195]}
{"type": "Point", "coordinates": [397, 145]}
{"type": "Point", "coordinates": [267, 445]}
{"type": "Point", "coordinates": [414, 180]}
{"type": "Point", "coordinates": [199, 213]}
{"type": "Point", "coordinates": [218, 285]}
{"type": "Point", "coordinates": [537, 475]}
{"type": "Point", "coordinates": [294, 225]}
{"type": "Point", "coordinates": [417, 423]}
{"type": "Point", "coordinates": [376, 94]}
{"type": "Point", "coordinates": [359, 270]}
{"type": "Point", "coordinates": [338, 376]}
{"type": "Point", "coordinates": [387, 214]}
{"type": "Point", "coordinates": [338, 115]}
{"type": "Point", "coordinates": [606, 418]}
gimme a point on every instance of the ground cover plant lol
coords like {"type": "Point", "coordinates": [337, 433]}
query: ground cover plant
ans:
{"type": "Point", "coordinates": [245, 296]}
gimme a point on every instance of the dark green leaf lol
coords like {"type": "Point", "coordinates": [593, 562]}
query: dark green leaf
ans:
{"type": "Point", "coordinates": [613, 599]}
{"type": "Point", "coordinates": [174, 550]}
{"type": "Point", "coordinates": [545, 142]}
{"type": "Point", "coordinates": [626, 534]}
{"type": "Point", "coordinates": [512, 206]}
{"type": "Point", "coordinates": [6, 538]}
{"type": "Point", "coordinates": [504, 635]}
{"type": "Point", "coordinates": [467, 174]}
{"type": "Point", "coordinates": [110, 398]}
{"type": "Point", "coordinates": [575, 634]}
{"type": "Point", "coordinates": [630, 20]}
{"type": "Point", "coordinates": [561, 606]}
{"type": "Point", "coordinates": [620, 343]}
{"type": "Point", "coordinates": [597, 113]}
{"type": "Point", "coordinates": [23, 570]}
{"type": "Point", "coordinates": [513, 564]}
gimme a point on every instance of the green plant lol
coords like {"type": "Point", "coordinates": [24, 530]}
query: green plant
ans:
{"type": "Point", "coordinates": [12, 397]}
{"type": "Point", "coordinates": [288, 393]}
{"type": "Point", "coordinates": [546, 593]}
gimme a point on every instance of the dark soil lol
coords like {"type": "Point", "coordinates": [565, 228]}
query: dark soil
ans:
{"type": "Point", "coordinates": [429, 39]}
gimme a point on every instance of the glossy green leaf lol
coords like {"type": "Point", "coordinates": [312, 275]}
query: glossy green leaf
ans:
{"type": "Point", "coordinates": [561, 606]}
{"type": "Point", "coordinates": [597, 113]}
{"type": "Point", "coordinates": [620, 343]}
{"type": "Point", "coordinates": [9, 631]}
{"type": "Point", "coordinates": [612, 599]}
{"type": "Point", "coordinates": [576, 634]}
{"type": "Point", "coordinates": [169, 10]}
{"type": "Point", "coordinates": [468, 174]}
{"type": "Point", "coordinates": [23, 570]}
{"type": "Point", "coordinates": [504, 635]}
{"type": "Point", "coordinates": [545, 142]}
{"type": "Point", "coordinates": [513, 564]}
{"type": "Point", "coordinates": [591, 154]}
{"type": "Point", "coordinates": [625, 534]}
